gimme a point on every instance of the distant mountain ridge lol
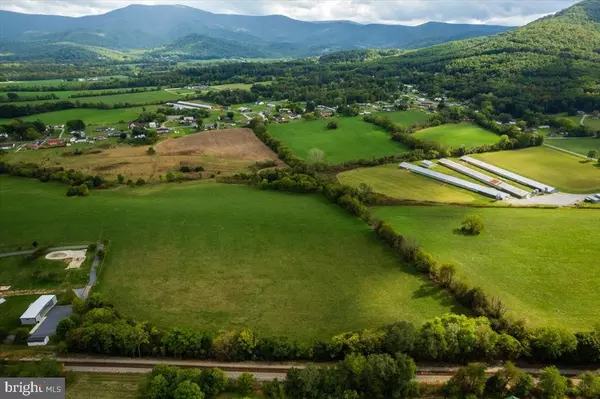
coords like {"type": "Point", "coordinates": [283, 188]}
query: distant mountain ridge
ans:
{"type": "Point", "coordinates": [138, 27]}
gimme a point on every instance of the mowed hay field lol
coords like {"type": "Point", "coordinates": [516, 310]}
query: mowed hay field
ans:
{"type": "Point", "coordinates": [542, 263]}
{"type": "Point", "coordinates": [353, 139]}
{"type": "Point", "coordinates": [88, 115]}
{"type": "Point", "coordinates": [407, 118]}
{"type": "Point", "coordinates": [403, 185]}
{"type": "Point", "coordinates": [459, 134]}
{"type": "Point", "coordinates": [218, 256]}
{"type": "Point", "coordinates": [224, 151]}
{"type": "Point", "coordinates": [568, 173]}
{"type": "Point", "coordinates": [580, 146]}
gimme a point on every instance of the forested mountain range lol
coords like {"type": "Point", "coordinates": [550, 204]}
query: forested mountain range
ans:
{"type": "Point", "coordinates": [195, 33]}
{"type": "Point", "coordinates": [547, 66]}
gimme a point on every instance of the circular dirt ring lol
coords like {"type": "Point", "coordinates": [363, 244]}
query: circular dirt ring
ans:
{"type": "Point", "coordinates": [57, 255]}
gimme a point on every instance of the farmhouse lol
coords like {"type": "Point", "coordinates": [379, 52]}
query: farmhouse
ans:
{"type": "Point", "coordinates": [136, 124]}
{"type": "Point", "coordinates": [152, 125]}
{"type": "Point", "coordinates": [38, 309]}
{"type": "Point", "coordinates": [244, 109]}
{"type": "Point", "coordinates": [7, 146]}
{"type": "Point", "coordinates": [209, 126]}
{"type": "Point", "coordinates": [162, 130]}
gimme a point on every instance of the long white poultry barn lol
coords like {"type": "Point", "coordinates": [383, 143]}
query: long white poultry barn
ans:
{"type": "Point", "coordinates": [509, 175]}
{"type": "Point", "coordinates": [482, 177]}
{"type": "Point", "coordinates": [478, 188]}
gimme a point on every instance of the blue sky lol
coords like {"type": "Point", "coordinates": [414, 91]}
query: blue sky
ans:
{"type": "Point", "coordinates": [409, 12]}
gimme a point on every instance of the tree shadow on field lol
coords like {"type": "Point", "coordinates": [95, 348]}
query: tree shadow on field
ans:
{"type": "Point", "coordinates": [428, 290]}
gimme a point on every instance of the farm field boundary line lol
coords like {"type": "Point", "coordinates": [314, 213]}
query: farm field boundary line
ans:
{"type": "Point", "coordinates": [567, 151]}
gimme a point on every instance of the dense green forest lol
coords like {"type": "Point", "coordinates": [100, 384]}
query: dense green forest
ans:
{"type": "Point", "coordinates": [547, 66]}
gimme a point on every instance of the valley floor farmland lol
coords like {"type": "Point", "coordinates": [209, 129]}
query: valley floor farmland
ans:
{"type": "Point", "coordinates": [407, 118]}
{"type": "Point", "coordinates": [224, 256]}
{"type": "Point", "coordinates": [353, 139]}
{"type": "Point", "coordinates": [217, 151]}
{"type": "Point", "coordinates": [566, 172]}
{"type": "Point", "coordinates": [457, 135]}
{"type": "Point", "coordinates": [542, 263]}
{"type": "Point", "coordinates": [404, 185]}
{"type": "Point", "coordinates": [88, 115]}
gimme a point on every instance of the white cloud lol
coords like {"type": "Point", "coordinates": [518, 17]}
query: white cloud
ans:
{"type": "Point", "coordinates": [409, 12]}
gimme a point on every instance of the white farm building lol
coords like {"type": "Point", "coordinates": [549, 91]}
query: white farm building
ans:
{"type": "Point", "coordinates": [38, 309]}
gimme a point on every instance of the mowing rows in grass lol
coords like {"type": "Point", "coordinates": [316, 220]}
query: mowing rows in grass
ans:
{"type": "Point", "coordinates": [214, 256]}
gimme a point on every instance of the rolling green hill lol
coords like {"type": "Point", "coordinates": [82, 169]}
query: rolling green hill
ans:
{"type": "Point", "coordinates": [546, 66]}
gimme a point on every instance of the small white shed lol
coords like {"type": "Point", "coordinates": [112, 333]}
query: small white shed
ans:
{"type": "Point", "coordinates": [427, 164]}
{"type": "Point", "coordinates": [38, 309]}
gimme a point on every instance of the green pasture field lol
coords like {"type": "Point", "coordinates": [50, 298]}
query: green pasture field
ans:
{"type": "Point", "coordinates": [581, 146]}
{"type": "Point", "coordinates": [29, 83]}
{"type": "Point", "coordinates": [566, 172]}
{"type": "Point", "coordinates": [542, 263]}
{"type": "Point", "coordinates": [131, 98]}
{"type": "Point", "coordinates": [12, 309]}
{"type": "Point", "coordinates": [64, 95]}
{"type": "Point", "coordinates": [407, 118]}
{"type": "Point", "coordinates": [218, 256]}
{"type": "Point", "coordinates": [457, 135]}
{"type": "Point", "coordinates": [242, 86]}
{"type": "Point", "coordinates": [104, 386]}
{"type": "Point", "coordinates": [18, 272]}
{"type": "Point", "coordinates": [353, 139]}
{"type": "Point", "coordinates": [593, 123]}
{"type": "Point", "coordinates": [404, 185]}
{"type": "Point", "coordinates": [88, 115]}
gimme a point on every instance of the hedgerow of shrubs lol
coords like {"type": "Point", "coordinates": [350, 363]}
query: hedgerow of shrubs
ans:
{"type": "Point", "coordinates": [97, 327]}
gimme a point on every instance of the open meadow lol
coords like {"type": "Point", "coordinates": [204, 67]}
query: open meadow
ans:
{"type": "Point", "coordinates": [353, 139]}
{"type": "Point", "coordinates": [401, 184]}
{"type": "Point", "coordinates": [88, 115]}
{"type": "Point", "coordinates": [457, 135]}
{"type": "Point", "coordinates": [104, 386]}
{"type": "Point", "coordinates": [407, 118]}
{"type": "Point", "coordinates": [217, 151]}
{"type": "Point", "coordinates": [542, 263]}
{"type": "Point", "coordinates": [218, 256]}
{"type": "Point", "coordinates": [566, 172]}
{"type": "Point", "coordinates": [110, 99]}
{"type": "Point", "coordinates": [581, 146]}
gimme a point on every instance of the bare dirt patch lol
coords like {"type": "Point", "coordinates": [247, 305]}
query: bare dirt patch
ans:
{"type": "Point", "coordinates": [230, 143]}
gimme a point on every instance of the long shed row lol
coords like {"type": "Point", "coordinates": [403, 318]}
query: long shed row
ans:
{"type": "Point", "coordinates": [478, 188]}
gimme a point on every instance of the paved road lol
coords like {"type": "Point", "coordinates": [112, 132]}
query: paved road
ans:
{"type": "Point", "coordinates": [93, 274]}
{"type": "Point", "coordinates": [567, 151]}
{"type": "Point", "coordinates": [261, 370]}
{"type": "Point", "coordinates": [581, 122]}
{"type": "Point", "coordinates": [17, 253]}
{"type": "Point", "coordinates": [557, 199]}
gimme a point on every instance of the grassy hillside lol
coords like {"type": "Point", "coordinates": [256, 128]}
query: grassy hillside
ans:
{"type": "Point", "coordinates": [527, 257]}
{"type": "Point", "coordinates": [223, 256]}
{"type": "Point", "coordinates": [353, 139]}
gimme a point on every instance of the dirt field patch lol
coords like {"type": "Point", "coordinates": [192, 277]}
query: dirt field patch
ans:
{"type": "Point", "coordinates": [231, 143]}
{"type": "Point", "coordinates": [218, 152]}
